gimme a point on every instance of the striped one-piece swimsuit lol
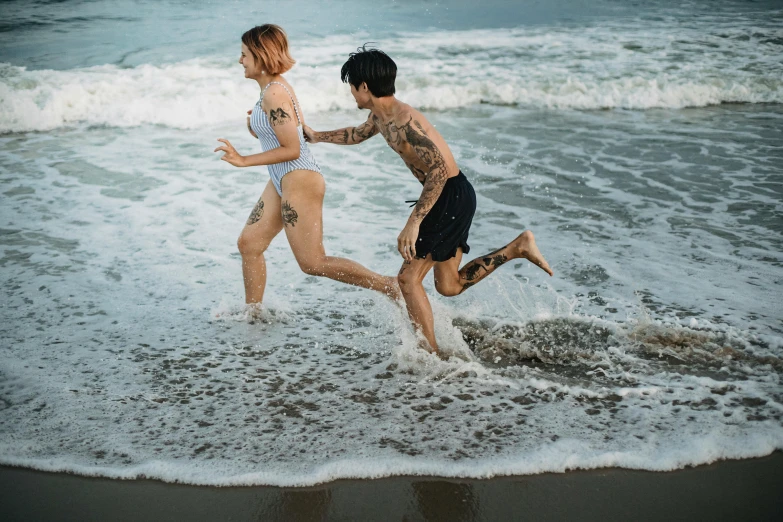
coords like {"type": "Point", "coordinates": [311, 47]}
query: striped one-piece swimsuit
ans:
{"type": "Point", "coordinates": [266, 135]}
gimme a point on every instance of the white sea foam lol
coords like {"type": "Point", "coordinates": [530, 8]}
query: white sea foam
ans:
{"type": "Point", "coordinates": [557, 67]}
{"type": "Point", "coordinates": [556, 457]}
{"type": "Point", "coordinates": [128, 351]}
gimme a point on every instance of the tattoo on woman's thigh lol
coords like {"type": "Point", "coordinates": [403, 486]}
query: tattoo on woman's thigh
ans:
{"type": "Point", "coordinates": [289, 214]}
{"type": "Point", "coordinates": [257, 213]}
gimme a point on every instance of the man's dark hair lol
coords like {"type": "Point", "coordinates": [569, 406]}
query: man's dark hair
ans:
{"type": "Point", "coordinates": [373, 67]}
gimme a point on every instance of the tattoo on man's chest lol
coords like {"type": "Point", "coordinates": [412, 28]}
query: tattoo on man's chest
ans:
{"type": "Point", "coordinates": [392, 135]}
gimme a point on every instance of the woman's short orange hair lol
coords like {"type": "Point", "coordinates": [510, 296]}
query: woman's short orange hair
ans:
{"type": "Point", "coordinates": [268, 44]}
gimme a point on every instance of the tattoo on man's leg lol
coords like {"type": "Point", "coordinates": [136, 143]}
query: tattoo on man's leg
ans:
{"type": "Point", "coordinates": [289, 214]}
{"type": "Point", "coordinates": [471, 272]}
{"type": "Point", "coordinates": [257, 212]}
{"type": "Point", "coordinates": [465, 286]}
{"type": "Point", "coordinates": [495, 251]}
{"type": "Point", "coordinates": [473, 269]}
{"type": "Point", "coordinates": [498, 260]}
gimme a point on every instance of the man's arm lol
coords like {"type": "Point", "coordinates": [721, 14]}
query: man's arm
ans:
{"type": "Point", "coordinates": [434, 181]}
{"type": "Point", "coordinates": [346, 136]}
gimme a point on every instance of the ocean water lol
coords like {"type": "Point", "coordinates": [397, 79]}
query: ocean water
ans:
{"type": "Point", "coordinates": [641, 142]}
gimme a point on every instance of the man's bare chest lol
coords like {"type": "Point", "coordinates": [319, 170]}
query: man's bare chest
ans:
{"type": "Point", "coordinates": [395, 137]}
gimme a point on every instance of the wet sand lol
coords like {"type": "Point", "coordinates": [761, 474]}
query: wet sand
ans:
{"type": "Point", "coordinates": [729, 490]}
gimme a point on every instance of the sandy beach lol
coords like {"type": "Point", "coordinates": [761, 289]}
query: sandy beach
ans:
{"type": "Point", "coordinates": [727, 490]}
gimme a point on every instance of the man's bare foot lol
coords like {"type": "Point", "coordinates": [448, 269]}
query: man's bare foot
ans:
{"type": "Point", "coordinates": [525, 245]}
{"type": "Point", "coordinates": [391, 287]}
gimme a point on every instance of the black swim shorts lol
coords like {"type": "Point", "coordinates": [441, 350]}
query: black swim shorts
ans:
{"type": "Point", "coordinates": [446, 226]}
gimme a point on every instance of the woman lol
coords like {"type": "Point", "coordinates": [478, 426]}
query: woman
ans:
{"type": "Point", "coordinates": [293, 197]}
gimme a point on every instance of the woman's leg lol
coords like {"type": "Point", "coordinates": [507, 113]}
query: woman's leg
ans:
{"type": "Point", "coordinates": [263, 224]}
{"type": "Point", "coordinates": [301, 210]}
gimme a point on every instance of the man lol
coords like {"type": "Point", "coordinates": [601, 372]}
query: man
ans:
{"type": "Point", "coordinates": [436, 233]}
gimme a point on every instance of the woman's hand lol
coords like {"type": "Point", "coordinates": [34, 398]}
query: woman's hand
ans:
{"type": "Point", "coordinates": [310, 135]}
{"type": "Point", "coordinates": [249, 128]}
{"type": "Point", "coordinates": [231, 155]}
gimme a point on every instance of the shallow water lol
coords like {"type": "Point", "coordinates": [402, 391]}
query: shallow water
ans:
{"type": "Point", "coordinates": [658, 344]}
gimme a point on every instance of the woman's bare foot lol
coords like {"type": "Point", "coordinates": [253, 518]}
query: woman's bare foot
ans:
{"type": "Point", "coordinates": [254, 311]}
{"type": "Point", "coordinates": [391, 287]}
{"type": "Point", "coordinates": [525, 245]}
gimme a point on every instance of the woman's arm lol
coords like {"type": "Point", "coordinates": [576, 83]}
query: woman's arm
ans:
{"type": "Point", "coordinates": [346, 136]}
{"type": "Point", "coordinates": [281, 115]}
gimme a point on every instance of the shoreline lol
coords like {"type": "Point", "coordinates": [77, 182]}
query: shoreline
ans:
{"type": "Point", "coordinates": [747, 489]}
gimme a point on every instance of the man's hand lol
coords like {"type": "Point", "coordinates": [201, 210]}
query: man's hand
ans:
{"type": "Point", "coordinates": [249, 128]}
{"type": "Point", "coordinates": [310, 135]}
{"type": "Point", "coordinates": [406, 241]}
{"type": "Point", "coordinates": [231, 155]}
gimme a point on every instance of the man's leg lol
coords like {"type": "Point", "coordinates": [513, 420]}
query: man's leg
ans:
{"type": "Point", "coordinates": [419, 310]}
{"type": "Point", "coordinates": [450, 281]}
{"type": "Point", "coordinates": [301, 210]}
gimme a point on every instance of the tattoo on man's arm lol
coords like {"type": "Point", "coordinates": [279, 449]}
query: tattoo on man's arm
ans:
{"type": "Point", "coordinates": [363, 132]}
{"type": "Point", "coordinates": [422, 145]}
{"type": "Point", "coordinates": [336, 136]}
{"type": "Point", "coordinates": [257, 213]}
{"type": "Point", "coordinates": [429, 153]}
{"type": "Point", "coordinates": [289, 214]}
{"type": "Point", "coordinates": [433, 186]}
{"type": "Point", "coordinates": [349, 135]}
